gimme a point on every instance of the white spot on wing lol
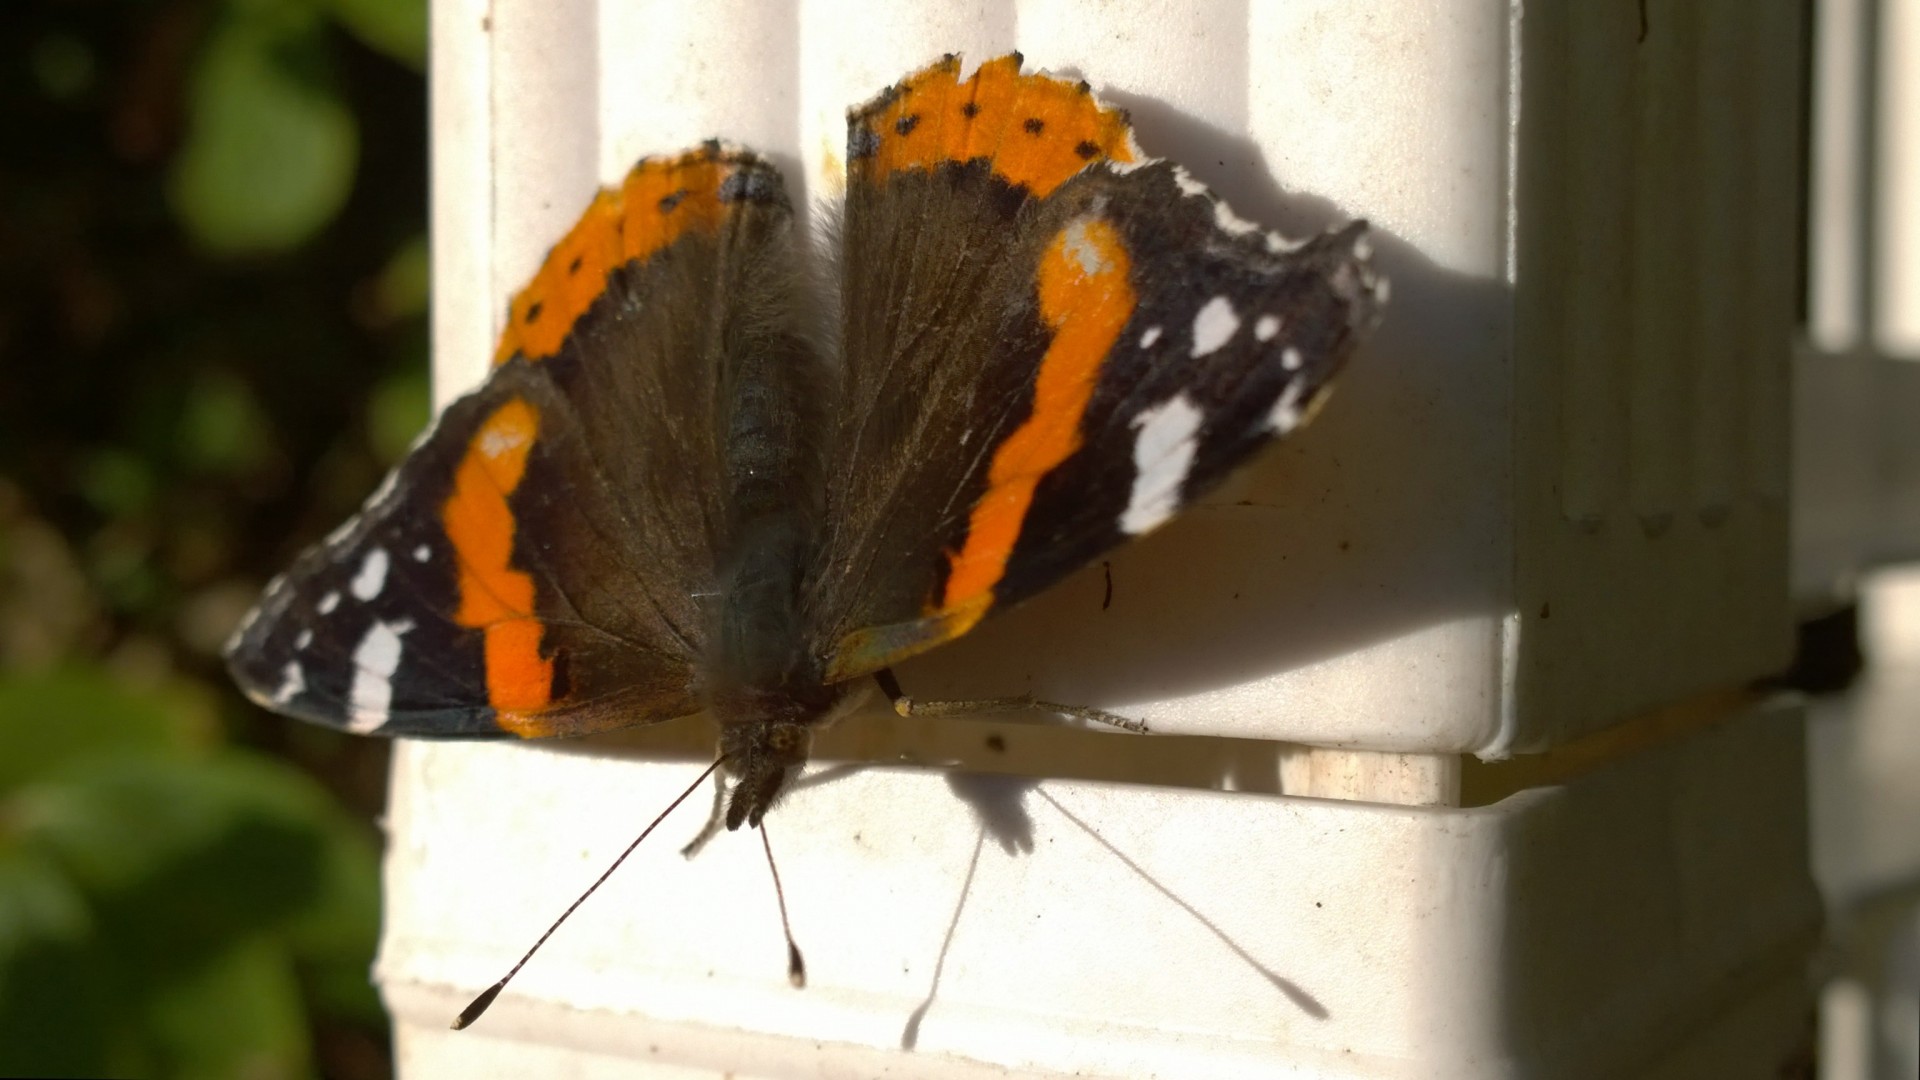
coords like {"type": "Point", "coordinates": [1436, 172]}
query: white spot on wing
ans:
{"type": "Point", "coordinates": [1280, 245]}
{"type": "Point", "coordinates": [292, 681]}
{"type": "Point", "coordinates": [1290, 358]}
{"type": "Point", "coordinates": [502, 439]}
{"type": "Point", "coordinates": [1285, 415]}
{"type": "Point", "coordinates": [328, 603]}
{"type": "Point", "coordinates": [1266, 326]}
{"type": "Point", "coordinates": [1231, 223]}
{"type": "Point", "coordinates": [422, 553]}
{"type": "Point", "coordinates": [1214, 326]}
{"type": "Point", "coordinates": [375, 659]}
{"type": "Point", "coordinates": [372, 576]}
{"type": "Point", "coordinates": [1162, 456]}
{"type": "Point", "coordinates": [303, 639]}
{"type": "Point", "coordinates": [1188, 185]}
{"type": "Point", "coordinates": [1084, 252]}
{"type": "Point", "coordinates": [1152, 335]}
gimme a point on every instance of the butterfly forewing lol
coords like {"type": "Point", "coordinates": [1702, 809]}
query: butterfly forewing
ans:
{"type": "Point", "coordinates": [1051, 345]}
{"type": "Point", "coordinates": [540, 563]}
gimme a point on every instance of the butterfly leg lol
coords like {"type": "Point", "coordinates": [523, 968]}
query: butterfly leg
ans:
{"type": "Point", "coordinates": [907, 706]}
{"type": "Point", "coordinates": [715, 820]}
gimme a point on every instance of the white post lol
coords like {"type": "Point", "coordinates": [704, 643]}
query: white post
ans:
{"type": "Point", "coordinates": [1544, 516]}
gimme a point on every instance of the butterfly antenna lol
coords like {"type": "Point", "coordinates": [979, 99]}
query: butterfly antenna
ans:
{"type": "Point", "coordinates": [479, 1005]}
{"type": "Point", "coordinates": [796, 964]}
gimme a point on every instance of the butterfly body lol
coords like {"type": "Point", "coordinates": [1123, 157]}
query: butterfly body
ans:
{"type": "Point", "coordinates": [676, 494]}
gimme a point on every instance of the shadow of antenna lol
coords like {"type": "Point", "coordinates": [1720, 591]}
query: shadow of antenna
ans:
{"type": "Point", "coordinates": [1306, 1002]}
{"type": "Point", "coordinates": [910, 1035]}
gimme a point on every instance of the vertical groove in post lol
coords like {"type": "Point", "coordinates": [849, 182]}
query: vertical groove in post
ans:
{"type": "Point", "coordinates": [459, 74]}
{"type": "Point", "coordinates": [546, 133]}
{"type": "Point", "coordinates": [1658, 365]}
{"type": "Point", "coordinates": [1599, 208]}
{"type": "Point", "coordinates": [1771, 263]}
{"type": "Point", "coordinates": [1866, 177]}
{"type": "Point", "coordinates": [671, 76]}
{"type": "Point", "coordinates": [1723, 118]}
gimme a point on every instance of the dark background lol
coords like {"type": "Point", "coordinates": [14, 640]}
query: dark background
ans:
{"type": "Point", "coordinates": [213, 294]}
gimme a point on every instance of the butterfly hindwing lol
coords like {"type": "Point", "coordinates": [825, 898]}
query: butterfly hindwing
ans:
{"type": "Point", "coordinates": [1232, 341]}
{"type": "Point", "coordinates": [524, 571]}
{"type": "Point", "coordinates": [1051, 344]}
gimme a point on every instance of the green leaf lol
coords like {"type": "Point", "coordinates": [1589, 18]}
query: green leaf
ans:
{"type": "Point", "coordinates": [334, 937]}
{"type": "Point", "coordinates": [261, 1026]}
{"type": "Point", "coordinates": [196, 852]}
{"type": "Point", "coordinates": [222, 429]}
{"type": "Point", "coordinates": [37, 904]}
{"type": "Point", "coordinates": [401, 406]}
{"type": "Point", "coordinates": [57, 996]}
{"type": "Point", "coordinates": [52, 720]}
{"type": "Point", "coordinates": [63, 66]}
{"type": "Point", "coordinates": [404, 281]}
{"type": "Point", "coordinates": [118, 483]}
{"type": "Point", "coordinates": [270, 150]}
{"type": "Point", "coordinates": [395, 27]}
{"type": "Point", "coordinates": [153, 894]}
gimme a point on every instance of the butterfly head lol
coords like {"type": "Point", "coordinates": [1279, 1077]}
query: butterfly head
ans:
{"type": "Point", "coordinates": [761, 756]}
{"type": "Point", "coordinates": [766, 735]}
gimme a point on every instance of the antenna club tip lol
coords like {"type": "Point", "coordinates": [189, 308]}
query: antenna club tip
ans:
{"type": "Point", "coordinates": [478, 1006]}
{"type": "Point", "coordinates": [796, 967]}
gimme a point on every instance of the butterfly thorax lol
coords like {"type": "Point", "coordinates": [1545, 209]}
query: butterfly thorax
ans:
{"type": "Point", "coordinates": [760, 682]}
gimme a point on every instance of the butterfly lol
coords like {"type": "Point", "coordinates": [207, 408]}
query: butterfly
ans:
{"type": "Point", "coordinates": [695, 481]}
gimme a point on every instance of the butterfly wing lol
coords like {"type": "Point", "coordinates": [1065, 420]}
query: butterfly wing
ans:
{"type": "Point", "coordinates": [1052, 344]}
{"type": "Point", "coordinates": [536, 565]}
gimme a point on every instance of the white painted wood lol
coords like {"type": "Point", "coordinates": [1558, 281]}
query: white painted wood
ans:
{"type": "Point", "coordinates": [1650, 439]}
{"type": "Point", "coordinates": [1379, 582]}
{"type": "Point", "coordinates": [1898, 213]}
{"type": "Point", "coordinates": [958, 926]}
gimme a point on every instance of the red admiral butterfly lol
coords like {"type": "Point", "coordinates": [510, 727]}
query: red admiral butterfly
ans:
{"type": "Point", "coordinates": [675, 493]}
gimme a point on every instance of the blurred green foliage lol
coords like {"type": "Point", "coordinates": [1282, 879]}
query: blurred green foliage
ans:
{"type": "Point", "coordinates": [213, 286]}
{"type": "Point", "coordinates": [270, 148]}
{"type": "Point", "coordinates": [166, 902]}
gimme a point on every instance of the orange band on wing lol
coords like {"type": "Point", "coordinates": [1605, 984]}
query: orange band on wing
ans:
{"type": "Point", "coordinates": [1036, 130]}
{"type": "Point", "coordinates": [1086, 297]}
{"type": "Point", "coordinates": [660, 200]}
{"type": "Point", "coordinates": [494, 597]}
